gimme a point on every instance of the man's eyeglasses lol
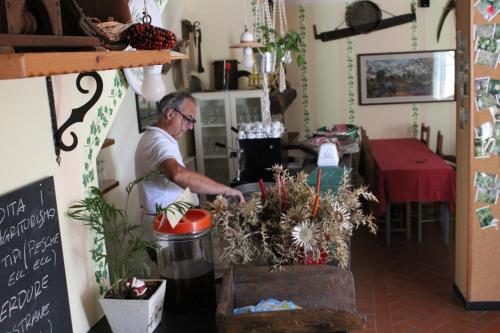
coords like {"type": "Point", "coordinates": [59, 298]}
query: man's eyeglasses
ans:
{"type": "Point", "coordinates": [189, 120]}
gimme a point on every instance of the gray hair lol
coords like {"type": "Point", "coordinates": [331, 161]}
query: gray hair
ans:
{"type": "Point", "coordinates": [174, 100]}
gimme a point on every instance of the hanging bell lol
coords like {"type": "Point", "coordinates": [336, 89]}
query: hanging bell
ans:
{"type": "Point", "coordinates": [246, 36]}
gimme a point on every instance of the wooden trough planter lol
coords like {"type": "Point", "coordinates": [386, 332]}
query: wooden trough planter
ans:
{"type": "Point", "coordinates": [325, 293]}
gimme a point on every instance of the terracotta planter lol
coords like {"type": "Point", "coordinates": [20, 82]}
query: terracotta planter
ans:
{"type": "Point", "coordinates": [135, 315]}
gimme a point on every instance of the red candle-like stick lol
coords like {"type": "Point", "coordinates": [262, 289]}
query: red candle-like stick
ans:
{"type": "Point", "coordinates": [283, 183]}
{"type": "Point", "coordinates": [262, 190]}
{"type": "Point", "coordinates": [318, 180]}
{"type": "Point", "coordinates": [278, 187]}
{"type": "Point", "coordinates": [315, 206]}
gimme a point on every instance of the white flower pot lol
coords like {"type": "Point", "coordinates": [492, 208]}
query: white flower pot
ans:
{"type": "Point", "coordinates": [135, 315]}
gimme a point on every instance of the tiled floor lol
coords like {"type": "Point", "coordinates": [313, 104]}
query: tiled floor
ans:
{"type": "Point", "coordinates": [408, 287]}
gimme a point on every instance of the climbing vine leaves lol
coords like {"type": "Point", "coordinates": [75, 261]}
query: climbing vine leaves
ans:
{"type": "Point", "coordinates": [414, 43]}
{"type": "Point", "coordinates": [92, 146]}
{"type": "Point", "coordinates": [303, 71]}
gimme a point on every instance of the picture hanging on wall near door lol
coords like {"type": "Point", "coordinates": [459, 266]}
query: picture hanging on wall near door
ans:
{"type": "Point", "coordinates": [486, 218]}
{"type": "Point", "coordinates": [147, 113]}
{"type": "Point", "coordinates": [406, 77]}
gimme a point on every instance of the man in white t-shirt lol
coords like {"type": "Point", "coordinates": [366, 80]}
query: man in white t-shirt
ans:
{"type": "Point", "coordinates": [158, 150]}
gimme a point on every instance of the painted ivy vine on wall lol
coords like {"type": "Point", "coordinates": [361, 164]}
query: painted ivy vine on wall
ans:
{"type": "Point", "coordinates": [350, 75]}
{"type": "Point", "coordinates": [91, 148]}
{"type": "Point", "coordinates": [350, 82]}
{"type": "Point", "coordinates": [254, 15]}
{"type": "Point", "coordinates": [303, 71]}
{"type": "Point", "coordinates": [414, 43]}
{"type": "Point", "coordinates": [160, 3]}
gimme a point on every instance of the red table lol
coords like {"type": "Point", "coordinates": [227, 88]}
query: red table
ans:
{"type": "Point", "coordinates": [408, 171]}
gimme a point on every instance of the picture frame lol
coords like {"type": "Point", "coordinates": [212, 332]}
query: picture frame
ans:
{"type": "Point", "coordinates": [406, 77]}
{"type": "Point", "coordinates": [147, 112]}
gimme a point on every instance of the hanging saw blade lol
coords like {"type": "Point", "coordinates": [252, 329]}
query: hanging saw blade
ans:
{"type": "Point", "coordinates": [449, 7]}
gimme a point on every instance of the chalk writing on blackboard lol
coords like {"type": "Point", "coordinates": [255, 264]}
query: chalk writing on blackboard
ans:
{"type": "Point", "coordinates": [34, 296]}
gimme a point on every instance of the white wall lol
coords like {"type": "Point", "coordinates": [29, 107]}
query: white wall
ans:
{"type": "Point", "coordinates": [222, 22]}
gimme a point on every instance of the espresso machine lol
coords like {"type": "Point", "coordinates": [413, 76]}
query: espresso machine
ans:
{"type": "Point", "coordinates": [259, 155]}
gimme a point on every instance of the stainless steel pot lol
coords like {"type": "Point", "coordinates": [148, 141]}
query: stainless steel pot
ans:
{"type": "Point", "coordinates": [266, 62]}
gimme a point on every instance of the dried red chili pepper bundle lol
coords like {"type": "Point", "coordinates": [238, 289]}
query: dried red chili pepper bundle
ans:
{"type": "Point", "coordinates": [144, 36]}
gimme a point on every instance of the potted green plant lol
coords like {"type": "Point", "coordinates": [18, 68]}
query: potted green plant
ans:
{"type": "Point", "coordinates": [124, 254]}
{"type": "Point", "coordinates": [278, 47]}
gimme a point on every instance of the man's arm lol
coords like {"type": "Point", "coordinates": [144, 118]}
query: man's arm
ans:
{"type": "Point", "coordinates": [196, 182]}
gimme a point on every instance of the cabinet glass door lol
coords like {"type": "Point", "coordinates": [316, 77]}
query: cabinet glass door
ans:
{"type": "Point", "coordinates": [212, 129]}
{"type": "Point", "coordinates": [212, 113]}
{"type": "Point", "coordinates": [248, 110]}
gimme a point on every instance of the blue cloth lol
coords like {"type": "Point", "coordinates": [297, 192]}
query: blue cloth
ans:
{"type": "Point", "coordinates": [265, 305]}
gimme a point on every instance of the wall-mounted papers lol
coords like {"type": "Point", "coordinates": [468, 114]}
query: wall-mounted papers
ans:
{"type": "Point", "coordinates": [487, 44]}
{"type": "Point", "coordinates": [486, 218]}
{"type": "Point", "coordinates": [486, 188]}
{"type": "Point", "coordinates": [488, 8]}
{"type": "Point", "coordinates": [484, 140]}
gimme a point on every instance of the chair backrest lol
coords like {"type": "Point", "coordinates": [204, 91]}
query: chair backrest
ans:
{"type": "Point", "coordinates": [368, 171]}
{"type": "Point", "coordinates": [368, 164]}
{"type": "Point", "coordinates": [363, 133]}
{"type": "Point", "coordinates": [439, 144]}
{"type": "Point", "coordinates": [425, 134]}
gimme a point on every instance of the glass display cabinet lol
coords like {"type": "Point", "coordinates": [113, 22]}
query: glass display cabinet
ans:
{"type": "Point", "coordinates": [217, 113]}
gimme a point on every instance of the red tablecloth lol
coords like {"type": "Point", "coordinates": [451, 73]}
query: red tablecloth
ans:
{"type": "Point", "coordinates": [408, 171]}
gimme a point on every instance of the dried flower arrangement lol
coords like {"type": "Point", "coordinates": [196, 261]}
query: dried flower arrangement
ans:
{"type": "Point", "coordinates": [290, 223]}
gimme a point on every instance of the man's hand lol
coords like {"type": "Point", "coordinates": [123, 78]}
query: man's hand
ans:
{"type": "Point", "coordinates": [231, 192]}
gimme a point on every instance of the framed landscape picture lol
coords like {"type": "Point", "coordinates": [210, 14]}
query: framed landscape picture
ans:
{"type": "Point", "coordinates": [406, 77]}
{"type": "Point", "coordinates": [147, 113]}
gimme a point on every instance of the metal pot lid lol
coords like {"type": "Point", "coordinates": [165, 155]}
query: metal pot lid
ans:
{"type": "Point", "coordinates": [363, 16]}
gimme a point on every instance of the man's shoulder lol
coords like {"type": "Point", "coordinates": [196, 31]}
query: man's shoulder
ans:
{"type": "Point", "coordinates": [156, 133]}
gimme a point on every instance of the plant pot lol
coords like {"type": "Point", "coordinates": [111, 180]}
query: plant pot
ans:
{"type": "Point", "coordinates": [135, 315]}
{"type": "Point", "coordinates": [266, 62]}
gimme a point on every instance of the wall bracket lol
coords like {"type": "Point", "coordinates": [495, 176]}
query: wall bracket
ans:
{"type": "Point", "coordinates": [78, 114]}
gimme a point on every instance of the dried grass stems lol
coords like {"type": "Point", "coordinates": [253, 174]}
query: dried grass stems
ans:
{"type": "Point", "coordinates": [283, 230]}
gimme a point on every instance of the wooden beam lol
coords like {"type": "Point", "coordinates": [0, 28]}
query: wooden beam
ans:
{"type": "Point", "coordinates": [46, 41]}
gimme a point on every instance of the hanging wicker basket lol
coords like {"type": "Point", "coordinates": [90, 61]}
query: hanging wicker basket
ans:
{"type": "Point", "coordinates": [112, 30]}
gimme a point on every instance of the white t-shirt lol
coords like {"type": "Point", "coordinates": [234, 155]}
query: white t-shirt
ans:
{"type": "Point", "coordinates": [154, 147]}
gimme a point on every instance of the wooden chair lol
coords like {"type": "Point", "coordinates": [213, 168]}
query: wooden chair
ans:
{"type": "Point", "coordinates": [450, 159]}
{"type": "Point", "coordinates": [367, 165]}
{"type": "Point", "coordinates": [439, 144]}
{"type": "Point", "coordinates": [424, 215]}
{"type": "Point", "coordinates": [367, 169]}
{"type": "Point", "coordinates": [425, 134]}
{"type": "Point", "coordinates": [363, 132]}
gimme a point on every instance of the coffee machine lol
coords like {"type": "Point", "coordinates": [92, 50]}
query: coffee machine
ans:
{"type": "Point", "coordinates": [260, 155]}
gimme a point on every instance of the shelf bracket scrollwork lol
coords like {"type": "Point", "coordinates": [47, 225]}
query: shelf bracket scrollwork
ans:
{"type": "Point", "coordinates": [78, 114]}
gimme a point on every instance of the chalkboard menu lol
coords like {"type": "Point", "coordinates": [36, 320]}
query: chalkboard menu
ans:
{"type": "Point", "coordinates": [33, 295]}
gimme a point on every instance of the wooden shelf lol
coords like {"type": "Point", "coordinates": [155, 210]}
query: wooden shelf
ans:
{"type": "Point", "coordinates": [107, 185]}
{"type": "Point", "coordinates": [23, 65]}
{"type": "Point", "coordinates": [108, 142]}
